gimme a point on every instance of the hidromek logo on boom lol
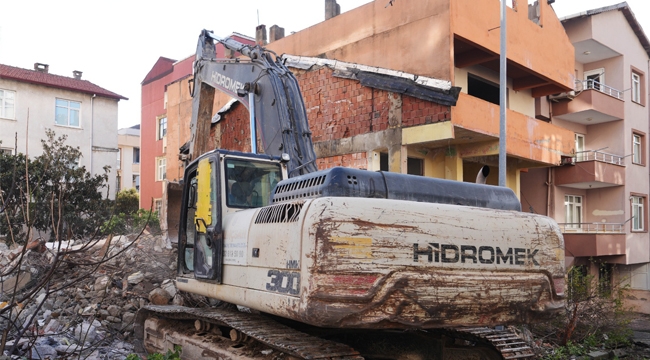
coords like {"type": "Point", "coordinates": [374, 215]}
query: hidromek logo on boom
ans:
{"type": "Point", "coordinates": [448, 253]}
{"type": "Point", "coordinates": [226, 82]}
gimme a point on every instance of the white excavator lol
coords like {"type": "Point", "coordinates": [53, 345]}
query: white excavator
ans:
{"type": "Point", "coordinates": [341, 263]}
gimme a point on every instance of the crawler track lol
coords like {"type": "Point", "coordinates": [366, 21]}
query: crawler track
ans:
{"type": "Point", "coordinates": [481, 342]}
{"type": "Point", "coordinates": [506, 342]}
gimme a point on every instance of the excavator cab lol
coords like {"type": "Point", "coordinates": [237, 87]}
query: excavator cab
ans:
{"type": "Point", "coordinates": [220, 183]}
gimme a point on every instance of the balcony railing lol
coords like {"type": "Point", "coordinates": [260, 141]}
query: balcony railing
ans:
{"type": "Point", "coordinates": [592, 228]}
{"type": "Point", "coordinates": [597, 155]}
{"type": "Point", "coordinates": [595, 85]}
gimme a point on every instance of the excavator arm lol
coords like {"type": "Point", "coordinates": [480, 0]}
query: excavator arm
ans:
{"type": "Point", "coordinates": [269, 91]}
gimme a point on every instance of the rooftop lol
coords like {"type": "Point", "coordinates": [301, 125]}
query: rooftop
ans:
{"type": "Point", "coordinates": [55, 81]}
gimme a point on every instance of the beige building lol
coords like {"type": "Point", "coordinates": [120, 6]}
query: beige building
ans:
{"type": "Point", "coordinates": [128, 158]}
{"type": "Point", "coordinates": [600, 194]}
{"type": "Point", "coordinates": [32, 101]}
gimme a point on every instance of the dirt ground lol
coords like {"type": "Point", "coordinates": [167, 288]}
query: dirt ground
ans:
{"type": "Point", "coordinates": [640, 326]}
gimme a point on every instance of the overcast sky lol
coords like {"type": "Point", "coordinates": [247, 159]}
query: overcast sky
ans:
{"type": "Point", "coordinates": [115, 43]}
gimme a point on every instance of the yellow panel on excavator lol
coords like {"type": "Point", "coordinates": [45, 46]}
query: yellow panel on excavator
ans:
{"type": "Point", "coordinates": [203, 215]}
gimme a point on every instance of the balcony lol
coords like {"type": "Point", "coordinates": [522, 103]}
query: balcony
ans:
{"type": "Point", "coordinates": [596, 103]}
{"type": "Point", "coordinates": [593, 239]}
{"type": "Point", "coordinates": [592, 170]}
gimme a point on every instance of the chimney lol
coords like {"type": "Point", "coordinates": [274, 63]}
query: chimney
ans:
{"type": "Point", "coordinates": [44, 68]}
{"type": "Point", "coordinates": [332, 9]}
{"type": "Point", "coordinates": [77, 74]}
{"type": "Point", "coordinates": [260, 35]}
{"type": "Point", "coordinates": [275, 33]}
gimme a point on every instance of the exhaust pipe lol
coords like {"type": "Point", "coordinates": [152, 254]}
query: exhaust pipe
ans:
{"type": "Point", "coordinates": [483, 174]}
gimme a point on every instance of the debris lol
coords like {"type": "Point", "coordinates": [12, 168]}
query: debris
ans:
{"type": "Point", "coordinates": [65, 325]}
{"type": "Point", "coordinates": [159, 297]}
{"type": "Point", "coordinates": [135, 278]}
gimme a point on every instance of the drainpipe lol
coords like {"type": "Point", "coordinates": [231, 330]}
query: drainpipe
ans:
{"type": "Point", "coordinates": [92, 123]}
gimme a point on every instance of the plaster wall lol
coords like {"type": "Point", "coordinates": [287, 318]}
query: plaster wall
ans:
{"type": "Point", "coordinates": [179, 114]}
{"type": "Point", "coordinates": [96, 135]}
{"type": "Point", "coordinates": [553, 54]}
{"type": "Point", "coordinates": [153, 107]}
{"type": "Point", "coordinates": [128, 169]}
{"type": "Point", "coordinates": [520, 101]}
{"type": "Point", "coordinates": [412, 36]}
{"type": "Point", "coordinates": [528, 137]}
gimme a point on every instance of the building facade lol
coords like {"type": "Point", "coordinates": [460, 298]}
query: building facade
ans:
{"type": "Point", "coordinates": [600, 194]}
{"type": "Point", "coordinates": [33, 101]}
{"type": "Point", "coordinates": [128, 158]}
{"type": "Point", "coordinates": [157, 119]}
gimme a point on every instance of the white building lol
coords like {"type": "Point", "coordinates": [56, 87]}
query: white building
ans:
{"type": "Point", "coordinates": [32, 101]}
{"type": "Point", "coordinates": [128, 158]}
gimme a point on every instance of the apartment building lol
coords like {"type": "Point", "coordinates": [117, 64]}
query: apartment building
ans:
{"type": "Point", "coordinates": [157, 120]}
{"type": "Point", "coordinates": [599, 194]}
{"type": "Point", "coordinates": [34, 100]}
{"type": "Point", "coordinates": [455, 41]}
{"type": "Point", "coordinates": [128, 158]}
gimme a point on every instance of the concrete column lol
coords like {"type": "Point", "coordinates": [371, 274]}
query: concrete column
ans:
{"type": "Point", "coordinates": [395, 158]}
{"type": "Point", "coordinates": [374, 163]}
{"type": "Point", "coordinates": [332, 9]}
{"type": "Point", "coordinates": [275, 33]}
{"type": "Point", "coordinates": [513, 177]}
{"type": "Point", "coordinates": [453, 165]}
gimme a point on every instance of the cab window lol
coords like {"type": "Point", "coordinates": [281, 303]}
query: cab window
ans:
{"type": "Point", "coordinates": [249, 183]}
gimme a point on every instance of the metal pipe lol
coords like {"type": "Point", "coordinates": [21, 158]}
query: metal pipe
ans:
{"type": "Point", "coordinates": [251, 110]}
{"type": "Point", "coordinates": [503, 87]}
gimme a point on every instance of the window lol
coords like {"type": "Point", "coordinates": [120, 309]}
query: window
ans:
{"type": "Point", "coordinates": [162, 127]}
{"type": "Point", "coordinates": [6, 151]}
{"type": "Point", "coordinates": [119, 158]}
{"type": "Point", "coordinates": [483, 89]}
{"type": "Point", "coordinates": [250, 183]}
{"type": "Point", "coordinates": [636, 87]}
{"type": "Point", "coordinates": [67, 112]}
{"type": "Point", "coordinates": [162, 169]}
{"type": "Point", "coordinates": [118, 183]}
{"type": "Point", "coordinates": [136, 155]}
{"type": "Point", "coordinates": [638, 147]}
{"type": "Point", "coordinates": [580, 147]}
{"type": "Point", "coordinates": [573, 211]}
{"type": "Point", "coordinates": [595, 79]}
{"type": "Point", "coordinates": [7, 104]}
{"type": "Point", "coordinates": [136, 182]}
{"type": "Point", "coordinates": [414, 166]}
{"type": "Point", "coordinates": [638, 219]}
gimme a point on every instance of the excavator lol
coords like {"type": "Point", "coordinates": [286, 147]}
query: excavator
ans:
{"type": "Point", "coordinates": [340, 263]}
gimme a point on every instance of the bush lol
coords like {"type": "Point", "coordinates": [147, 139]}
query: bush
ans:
{"type": "Point", "coordinates": [128, 217]}
{"type": "Point", "coordinates": [51, 193]}
{"type": "Point", "coordinates": [594, 316]}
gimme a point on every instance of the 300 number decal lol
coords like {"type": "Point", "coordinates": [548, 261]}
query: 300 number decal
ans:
{"type": "Point", "coordinates": [285, 282]}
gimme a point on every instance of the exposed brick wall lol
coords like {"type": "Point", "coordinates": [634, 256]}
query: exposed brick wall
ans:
{"type": "Point", "coordinates": [340, 108]}
{"type": "Point", "coordinates": [419, 112]}
{"type": "Point", "coordinates": [357, 161]}
{"type": "Point", "coordinates": [235, 129]}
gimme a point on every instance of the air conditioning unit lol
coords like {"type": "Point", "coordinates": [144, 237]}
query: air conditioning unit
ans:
{"type": "Point", "coordinates": [562, 96]}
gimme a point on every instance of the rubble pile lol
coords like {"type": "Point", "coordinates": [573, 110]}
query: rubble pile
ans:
{"type": "Point", "coordinates": [83, 301]}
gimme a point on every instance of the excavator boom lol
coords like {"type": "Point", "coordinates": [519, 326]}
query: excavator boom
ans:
{"type": "Point", "coordinates": [266, 87]}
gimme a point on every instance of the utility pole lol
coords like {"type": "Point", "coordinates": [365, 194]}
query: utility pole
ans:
{"type": "Point", "coordinates": [503, 89]}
